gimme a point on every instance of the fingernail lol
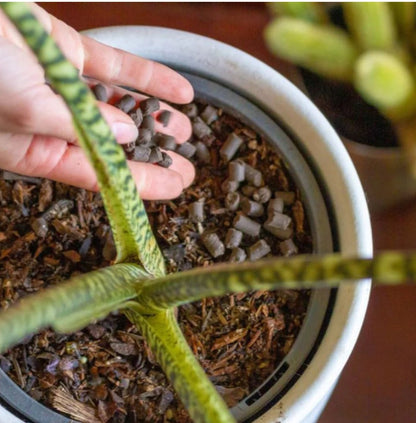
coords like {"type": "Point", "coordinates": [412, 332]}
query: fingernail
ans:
{"type": "Point", "coordinates": [124, 132]}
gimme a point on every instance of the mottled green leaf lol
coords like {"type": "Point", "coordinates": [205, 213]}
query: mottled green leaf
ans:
{"type": "Point", "coordinates": [167, 343]}
{"type": "Point", "coordinates": [86, 297]}
{"type": "Point", "coordinates": [132, 233]}
{"type": "Point", "coordinates": [291, 273]}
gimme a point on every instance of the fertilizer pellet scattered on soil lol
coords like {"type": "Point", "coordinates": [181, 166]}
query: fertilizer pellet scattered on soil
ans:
{"type": "Point", "coordinates": [262, 195]}
{"type": "Point", "coordinates": [196, 211]}
{"type": "Point", "coordinates": [230, 147]}
{"type": "Point", "coordinates": [186, 149]}
{"type": "Point", "coordinates": [213, 244]}
{"type": "Point", "coordinates": [233, 238]}
{"type": "Point", "coordinates": [236, 171]}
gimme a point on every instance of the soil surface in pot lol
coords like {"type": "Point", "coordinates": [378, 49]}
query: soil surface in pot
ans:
{"type": "Point", "coordinates": [106, 372]}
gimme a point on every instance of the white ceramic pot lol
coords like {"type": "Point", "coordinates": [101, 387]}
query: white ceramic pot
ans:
{"type": "Point", "coordinates": [336, 207]}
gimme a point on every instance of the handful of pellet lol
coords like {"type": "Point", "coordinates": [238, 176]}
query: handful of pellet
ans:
{"type": "Point", "coordinates": [149, 145]}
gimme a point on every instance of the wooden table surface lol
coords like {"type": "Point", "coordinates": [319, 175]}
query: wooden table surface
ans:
{"type": "Point", "coordinates": [379, 382]}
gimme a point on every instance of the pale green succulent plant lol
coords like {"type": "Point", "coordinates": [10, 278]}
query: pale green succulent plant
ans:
{"type": "Point", "coordinates": [137, 283]}
{"type": "Point", "coordinates": [375, 53]}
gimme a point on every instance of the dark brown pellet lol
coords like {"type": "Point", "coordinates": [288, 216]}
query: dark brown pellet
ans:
{"type": "Point", "coordinates": [149, 106]}
{"type": "Point", "coordinates": [251, 208]}
{"type": "Point", "coordinates": [288, 248]}
{"type": "Point", "coordinates": [232, 201]}
{"type": "Point", "coordinates": [276, 205]}
{"type": "Point", "coordinates": [196, 211]}
{"type": "Point", "coordinates": [45, 195]}
{"type": "Point", "coordinates": [186, 149]}
{"type": "Point", "coordinates": [202, 152]}
{"type": "Point", "coordinates": [166, 160]}
{"type": "Point", "coordinates": [129, 150]}
{"type": "Point", "coordinates": [262, 195]}
{"type": "Point", "coordinates": [137, 117]}
{"type": "Point", "coordinates": [164, 117]}
{"type": "Point", "coordinates": [100, 93]}
{"type": "Point", "coordinates": [85, 246]}
{"type": "Point", "coordinates": [155, 155]}
{"type": "Point", "coordinates": [167, 142]}
{"type": "Point", "coordinates": [230, 147]}
{"type": "Point", "coordinates": [238, 255]}
{"type": "Point", "coordinates": [199, 128]}
{"type": "Point", "coordinates": [58, 209]}
{"type": "Point", "coordinates": [126, 103]}
{"type": "Point", "coordinates": [141, 153]}
{"type": "Point", "coordinates": [144, 137]}
{"type": "Point", "coordinates": [190, 110]}
{"type": "Point", "coordinates": [148, 123]}
{"type": "Point", "coordinates": [229, 186]}
{"type": "Point", "coordinates": [209, 114]}
{"type": "Point", "coordinates": [213, 244]}
{"type": "Point", "coordinates": [233, 238]}
{"type": "Point", "coordinates": [236, 170]}
{"type": "Point", "coordinates": [11, 176]}
{"type": "Point", "coordinates": [258, 250]}
{"type": "Point", "coordinates": [246, 225]}
{"type": "Point", "coordinates": [288, 197]}
{"type": "Point", "coordinates": [109, 249]}
{"type": "Point", "coordinates": [248, 190]}
{"type": "Point", "coordinates": [129, 147]}
{"type": "Point", "coordinates": [278, 220]}
{"type": "Point", "coordinates": [40, 227]}
{"type": "Point", "coordinates": [253, 176]}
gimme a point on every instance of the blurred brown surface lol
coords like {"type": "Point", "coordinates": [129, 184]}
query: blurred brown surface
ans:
{"type": "Point", "coordinates": [379, 382]}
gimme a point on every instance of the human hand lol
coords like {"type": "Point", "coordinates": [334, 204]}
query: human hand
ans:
{"type": "Point", "coordinates": [37, 137]}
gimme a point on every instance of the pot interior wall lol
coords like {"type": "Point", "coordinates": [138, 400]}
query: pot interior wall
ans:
{"type": "Point", "coordinates": [321, 303]}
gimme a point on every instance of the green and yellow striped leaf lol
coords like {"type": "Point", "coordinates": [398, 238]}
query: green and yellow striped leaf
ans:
{"type": "Point", "coordinates": [299, 272]}
{"type": "Point", "coordinates": [72, 304]}
{"type": "Point", "coordinates": [167, 343]}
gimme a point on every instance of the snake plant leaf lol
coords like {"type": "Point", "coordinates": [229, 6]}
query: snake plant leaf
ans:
{"type": "Point", "coordinates": [289, 273]}
{"type": "Point", "coordinates": [86, 297]}
{"type": "Point", "coordinates": [132, 233]}
{"type": "Point", "coordinates": [167, 343]}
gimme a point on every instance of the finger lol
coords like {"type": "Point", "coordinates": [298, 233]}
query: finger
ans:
{"type": "Point", "coordinates": [56, 159]}
{"type": "Point", "coordinates": [179, 125]}
{"type": "Point", "coordinates": [117, 67]}
{"type": "Point", "coordinates": [29, 106]}
{"type": "Point", "coordinates": [109, 64]}
{"type": "Point", "coordinates": [106, 63]}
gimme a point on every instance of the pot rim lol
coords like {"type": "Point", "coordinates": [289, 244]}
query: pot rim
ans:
{"type": "Point", "coordinates": [256, 81]}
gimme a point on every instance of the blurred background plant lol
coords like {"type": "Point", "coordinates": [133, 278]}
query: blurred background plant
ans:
{"type": "Point", "coordinates": [369, 45]}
